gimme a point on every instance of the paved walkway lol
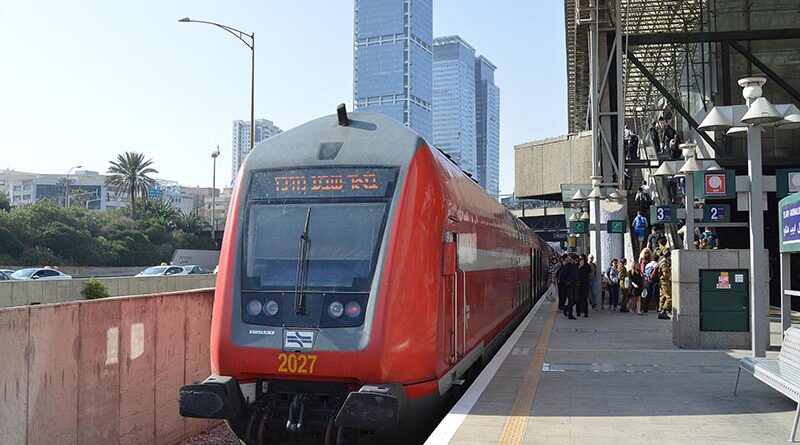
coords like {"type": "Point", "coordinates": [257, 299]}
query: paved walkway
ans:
{"type": "Point", "coordinates": [615, 378]}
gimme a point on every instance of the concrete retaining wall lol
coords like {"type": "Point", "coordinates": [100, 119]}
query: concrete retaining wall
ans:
{"type": "Point", "coordinates": [103, 371]}
{"type": "Point", "coordinates": [23, 293]}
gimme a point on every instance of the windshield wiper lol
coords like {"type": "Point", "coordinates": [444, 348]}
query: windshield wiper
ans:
{"type": "Point", "coordinates": [302, 270]}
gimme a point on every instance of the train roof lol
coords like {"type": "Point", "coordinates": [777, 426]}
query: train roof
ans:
{"type": "Point", "coordinates": [368, 139]}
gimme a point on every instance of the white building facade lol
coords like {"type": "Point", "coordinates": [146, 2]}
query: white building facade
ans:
{"type": "Point", "coordinates": [264, 128]}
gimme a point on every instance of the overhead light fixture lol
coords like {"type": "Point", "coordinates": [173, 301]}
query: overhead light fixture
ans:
{"type": "Point", "coordinates": [761, 111]}
{"type": "Point", "coordinates": [691, 165]}
{"type": "Point", "coordinates": [596, 193]}
{"type": "Point", "coordinates": [665, 169]}
{"type": "Point", "coordinates": [736, 132]}
{"type": "Point", "coordinates": [711, 165]}
{"type": "Point", "coordinates": [719, 118]}
{"type": "Point", "coordinates": [585, 216]}
{"type": "Point", "coordinates": [579, 196]}
{"type": "Point", "coordinates": [790, 122]}
{"type": "Point", "coordinates": [615, 195]}
{"type": "Point", "coordinates": [574, 217]}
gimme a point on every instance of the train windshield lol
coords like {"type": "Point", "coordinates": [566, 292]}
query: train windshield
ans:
{"type": "Point", "coordinates": [344, 228]}
{"type": "Point", "coordinates": [343, 240]}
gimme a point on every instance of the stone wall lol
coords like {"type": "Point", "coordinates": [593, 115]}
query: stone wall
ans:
{"type": "Point", "coordinates": [23, 293]}
{"type": "Point", "coordinates": [103, 371]}
{"type": "Point", "coordinates": [686, 265]}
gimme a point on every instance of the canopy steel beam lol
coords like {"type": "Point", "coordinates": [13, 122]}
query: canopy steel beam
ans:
{"type": "Point", "coordinates": [664, 38]}
{"type": "Point", "coordinates": [675, 104]}
{"type": "Point", "coordinates": [767, 70]}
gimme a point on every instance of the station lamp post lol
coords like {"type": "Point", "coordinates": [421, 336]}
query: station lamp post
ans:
{"type": "Point", "coordinates": [241, 35]}
{"type": "Point", "coordinates": [757, 111]}
{"type": "Point", "coordinates": [214, 194]}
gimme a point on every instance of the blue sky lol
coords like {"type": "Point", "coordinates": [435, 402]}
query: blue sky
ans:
{"type": "Point", "coordinates": [83, 81]}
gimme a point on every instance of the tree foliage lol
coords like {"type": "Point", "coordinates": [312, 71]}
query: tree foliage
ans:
{"type": "Point", "coordinates": [129, 175]}
{"type": "Point", "coordinates": [44, 233]}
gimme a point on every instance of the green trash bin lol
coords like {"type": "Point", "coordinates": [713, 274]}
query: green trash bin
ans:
{"type": "Point", "coordinates": [724, 300]}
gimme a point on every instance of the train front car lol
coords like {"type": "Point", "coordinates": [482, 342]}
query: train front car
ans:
{"type": "Point", "coordinates": [302, 341]}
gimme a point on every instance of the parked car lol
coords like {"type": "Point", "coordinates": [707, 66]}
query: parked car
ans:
{"type": "Point", "coordinates": [195, 269]}
{"type": "Point", "coordinates": [216, 269]}
{"type": "Point", "coordinates": [161, 271]}
{"type": "Point", "coordinates": [7, 271]}
{"type": "Point", "coordinates": [4, 276]}
{"type": "Point", "coordinates": [40, 273]}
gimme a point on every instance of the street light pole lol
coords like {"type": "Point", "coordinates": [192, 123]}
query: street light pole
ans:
{"type": "Point", "coordinates": [66, 186]}
{"type": "Point", "coordinates": [214, 194]}
{"type": "Point", "coordinates": [252, 45]}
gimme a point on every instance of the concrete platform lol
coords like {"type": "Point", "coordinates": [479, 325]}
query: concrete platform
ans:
{"type": "Point", "coordinates": [612, 378]}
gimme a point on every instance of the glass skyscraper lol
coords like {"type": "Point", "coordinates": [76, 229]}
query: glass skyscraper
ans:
{"type": "Point", "coordinates": [487, 113]}
{"type": "Point", "coordinates": [392, 60]}
{"type": "Point", "coordinates": [454, 101]}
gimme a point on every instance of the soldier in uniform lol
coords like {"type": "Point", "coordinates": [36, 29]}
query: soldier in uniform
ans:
{"type": "Point", "coordinates": [665, 286]}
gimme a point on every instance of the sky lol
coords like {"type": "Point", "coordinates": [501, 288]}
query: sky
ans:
{"type": "Point", "coordinates": [81, 82]}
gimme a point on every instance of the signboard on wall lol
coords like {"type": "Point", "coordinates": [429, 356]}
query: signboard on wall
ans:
{"type": "Point", "coordinates": [789, 219]}
{"type": "Point", "coordinates": [718, 184]}
{"type": "Point", "coordinates": [787, 181]}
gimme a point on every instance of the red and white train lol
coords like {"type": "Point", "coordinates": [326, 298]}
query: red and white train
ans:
{"type": "Point", "coordinates": [362, 276]}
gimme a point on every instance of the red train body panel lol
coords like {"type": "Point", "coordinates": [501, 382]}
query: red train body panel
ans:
{"type": "Point", "coordinates": [453, 273]}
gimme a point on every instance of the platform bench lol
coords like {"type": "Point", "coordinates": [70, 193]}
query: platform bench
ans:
{"type": "Point", "coordinates": [782, 373]}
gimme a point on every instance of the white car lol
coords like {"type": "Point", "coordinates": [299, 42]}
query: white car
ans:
{"type": "Point", "coordinates": [195, 269]}
{"type": "Point", "coordinates": [161, 271]}
{"type": "Point", "coordinates": [40, 273]}
{"type": "Point", "coordinates": [7, 271]}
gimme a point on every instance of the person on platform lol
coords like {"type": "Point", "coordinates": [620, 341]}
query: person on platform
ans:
{"type": "Point", "coordinates": [665, 286]}
{"type": "Point", "coordinates": [639, 228]}
{"type": "Point", "coordinates": [662, 246]}
{"type": "Point", "coordinates": [654, 138]}
{"type": "Point", "coordinates": [643, 200]}
{"type": "Point", "coordinates": [584, 278]}
{"type": "Point", "coordinates": [612, 279]}
{"type": "Point", "coordinates": [569, 279]}
{"type": "Point", "coordinates": [670, 136]}
{"type": "Point", "coordinates": [592, 282]}
{"type": "Point", "coordinates": [562, 288]}
{"type": "Point", "coordinates": [652, 239]}
{"type": "Point", "coordinates": [624, 283]}
{"type": "Point", "coordinates": [651, 279]}
{"type": "Point", "coordinates": [710, 237]}
{"type": "Point", "coordinates": [637, 288]}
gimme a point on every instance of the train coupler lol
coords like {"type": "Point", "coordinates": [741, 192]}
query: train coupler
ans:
{"type": "Point", "coordinates": [296, 412]}
{"type": "Point", "coordinates": [373, 407]}
{"type": "Point", "coordinates": [218, 397]}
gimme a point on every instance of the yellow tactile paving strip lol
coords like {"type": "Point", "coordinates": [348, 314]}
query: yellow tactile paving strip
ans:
{"type": "Point", "coordinates": [514, 430]}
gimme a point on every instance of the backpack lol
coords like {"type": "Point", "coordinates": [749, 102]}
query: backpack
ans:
{"type": "Point", "coordinates": [640, 222]}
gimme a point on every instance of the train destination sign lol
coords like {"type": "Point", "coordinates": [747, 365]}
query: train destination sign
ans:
{"type": "Point", "coordinates": [579, 227]}
{"type": "Point", "coordinates": [324, 182]}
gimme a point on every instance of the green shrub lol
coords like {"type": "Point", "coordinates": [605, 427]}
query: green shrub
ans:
{"type": "Point", "coordinates": [94, 288]}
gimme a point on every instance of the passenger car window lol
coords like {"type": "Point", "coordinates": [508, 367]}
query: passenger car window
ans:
{"type": "Point", "coordinates": [172, 271]}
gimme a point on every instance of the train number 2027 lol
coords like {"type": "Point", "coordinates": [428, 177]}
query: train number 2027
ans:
{"type": "Point", "coordinates": [297, 363]}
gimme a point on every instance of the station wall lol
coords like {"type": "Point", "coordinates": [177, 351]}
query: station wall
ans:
{"type": "Point", "coordinates": [23, 293]}
{"type": "Point", "coordinates": [103, 371]}
{"type": "Point", "coordinates": [542, 166]}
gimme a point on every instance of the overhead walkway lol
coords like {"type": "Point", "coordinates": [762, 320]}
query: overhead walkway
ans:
{"type": "Point", "coordinates": [611, 378]}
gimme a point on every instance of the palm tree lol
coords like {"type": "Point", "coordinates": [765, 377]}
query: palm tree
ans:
{"type": "Point", "coordinates": [191, 223]}
{"type": "Point", "coordinates": [129, 175]}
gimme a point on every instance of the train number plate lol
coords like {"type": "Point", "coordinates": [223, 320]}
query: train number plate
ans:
{"type": "Point", "coordinates": [295, 363]}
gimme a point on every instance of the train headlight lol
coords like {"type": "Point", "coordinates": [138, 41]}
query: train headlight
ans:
{"type": "Point", "coordinates": [336, 309]}
{"type": "Point", "coordinates": [253, 307]}
{"type": "Point", "coordinates": [271, 308]}
{"type": "Point", "coordinates": [353, 309]}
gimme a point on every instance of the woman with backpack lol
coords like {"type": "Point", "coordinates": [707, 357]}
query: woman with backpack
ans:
{"type": "Point", "coordinates": [651, 272]}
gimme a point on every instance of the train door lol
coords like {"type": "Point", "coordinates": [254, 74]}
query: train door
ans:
{"type": "Point", "coordinates": [454, 296]}
{"type": "Point", "coordinates": [534, 274]}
